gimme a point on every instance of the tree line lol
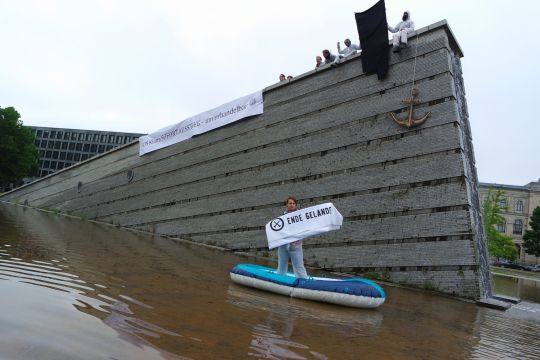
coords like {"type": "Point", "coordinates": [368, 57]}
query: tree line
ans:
{"type": "Point", "coordinates": [18, 155]}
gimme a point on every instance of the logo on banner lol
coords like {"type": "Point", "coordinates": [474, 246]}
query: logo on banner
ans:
{"type": "Point", "coordinates": [253, 101]}
{"type": "Point", "coordinates": [277, 224]}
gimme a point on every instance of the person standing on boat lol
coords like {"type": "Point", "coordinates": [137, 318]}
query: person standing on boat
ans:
{"type": "Point", "coordinates": [292, 250]}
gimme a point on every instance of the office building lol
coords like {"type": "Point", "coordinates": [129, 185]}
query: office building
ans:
{"type": "Point", "coordinates": [60, 148]}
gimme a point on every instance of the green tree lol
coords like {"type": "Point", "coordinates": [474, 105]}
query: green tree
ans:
{"type": "Point", "coordinates": [18, 154]}
{"type": "Point", "coordinates": [531, 238]}
{"type": "Point", "coordinates": [499, 245]}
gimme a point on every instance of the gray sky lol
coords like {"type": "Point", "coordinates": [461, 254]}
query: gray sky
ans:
{"type": "Point", "coordinates": [138, 66]}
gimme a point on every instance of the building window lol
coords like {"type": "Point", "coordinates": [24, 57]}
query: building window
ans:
{"type": "Point", "coordinates": [502, 227]}
{"type": "Point", "coordinates": [66, 136]}
{"type": "Point", "coordinates": [103, 138]}
{"type": "Point", "coordinates": [64, 145]}
{"type": "Point", "coordinates": [518, 227]}
{"type": "Point", "coordinates": [73, 136]}
{"type": "Point", "coordinates": [86, 147]}
{"type": "Point", "coordinates": [59, 135]}
{"type": "Point", "coordinates": [93, 148]}
{"type": "Point", "coordinates": [70, 156]}
{"type": "Point", "coordinates": [46, 164]}
{"type": "Point", "coordinates": [57, 145]}
{"type": "Point", "coordinates": [519, 206]}
{"type": "Point", "coordinates": [71, 146]}
{"type": "Point", "coordinates": [45, 134]}
{"type": "Point", "coordinates": [49, 154]}
{"type": "Point", "coordinates": [39, 133]}
{"type": "Point", "coordinates": [78, 147]}
{"type": "Point", "coordinates": [84, 157]}
{"type": "Point", "coordinates": [111, 138]}
{"type": "Point", "coordinates": [502, 204]}
{"type": "Point", "coordinates": [53, 134]}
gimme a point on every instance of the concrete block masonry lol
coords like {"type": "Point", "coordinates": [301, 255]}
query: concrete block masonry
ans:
{"type": "Point", "coordinates": [409, 197]}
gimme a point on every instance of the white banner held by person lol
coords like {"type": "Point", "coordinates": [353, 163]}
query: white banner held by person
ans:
{"type": "Point", "coordinates": [225, 114]}
{"type": "Point", "coordinates": [303, 223]}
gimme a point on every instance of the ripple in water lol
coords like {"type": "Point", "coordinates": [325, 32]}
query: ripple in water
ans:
{"type": "Point", "coordinates": [40, 315]}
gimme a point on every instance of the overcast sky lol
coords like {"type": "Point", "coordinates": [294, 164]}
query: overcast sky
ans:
{"type": "Point", "coordinates": [137, 66]}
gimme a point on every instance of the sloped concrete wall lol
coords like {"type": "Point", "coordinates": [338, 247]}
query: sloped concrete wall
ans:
{"type": "Point", "coordinates": [408, 196]}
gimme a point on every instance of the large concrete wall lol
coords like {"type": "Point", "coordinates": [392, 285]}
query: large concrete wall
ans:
{"type": "Point", "coordinates": [408, 196]}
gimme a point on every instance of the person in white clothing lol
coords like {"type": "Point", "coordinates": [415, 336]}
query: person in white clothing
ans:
{"type": "Point", "coordinates": [291, 251]}
{"type": "Point", "coordinates": [350, 49]}
{"type": "Point", "coordinates": [399, 40]}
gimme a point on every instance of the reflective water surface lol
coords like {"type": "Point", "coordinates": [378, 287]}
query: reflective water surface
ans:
{"type": "Point", "coordinates": [71, 289]}
{"type": "Point", "coordinates": [524, 289]}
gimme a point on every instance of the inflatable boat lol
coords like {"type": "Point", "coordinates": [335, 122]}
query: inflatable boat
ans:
{"type": "Point", "coordinates": [361, 293]}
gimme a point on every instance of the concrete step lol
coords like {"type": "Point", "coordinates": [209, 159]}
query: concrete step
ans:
{"type": "Point", "coordinates": [505, 298]}
{"type": "Point", "coordinates": [493, 303]}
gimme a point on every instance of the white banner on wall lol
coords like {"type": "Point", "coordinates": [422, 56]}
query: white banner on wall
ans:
{"type": "Point", "coordinates": [303, 223]}
{"type": "Point", "coordinates": [225, 114]}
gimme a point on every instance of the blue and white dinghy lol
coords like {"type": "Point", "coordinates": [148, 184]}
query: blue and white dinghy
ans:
{"type": "Point", "coordinates": [355, 292]}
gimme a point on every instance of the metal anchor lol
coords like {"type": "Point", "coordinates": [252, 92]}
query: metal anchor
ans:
{"type": "Point", "coordinates": [410, 121]}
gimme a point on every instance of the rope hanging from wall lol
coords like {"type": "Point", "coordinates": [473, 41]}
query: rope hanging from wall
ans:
{"type": "Point", "coordinates": [410, 121]}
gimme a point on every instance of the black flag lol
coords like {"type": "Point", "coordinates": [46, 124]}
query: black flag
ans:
{"type": "Point", "coordinates": [373, 33]}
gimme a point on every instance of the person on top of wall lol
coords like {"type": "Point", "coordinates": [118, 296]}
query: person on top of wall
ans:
{"type": "Point", "coordinates": [289, 77]}
{"type": "Point", "coordinates": [292, 250]}
{"type": "Point", "coordinates": [330, 58]}
{"type": "Point", "coordinates": [282, 77]}
{"type": "Point", "coordinates": [350, 49]}
{"type": "Point", "coordinates": [405, 26]}
{"type": "Point", "coordinates": [318, 61]}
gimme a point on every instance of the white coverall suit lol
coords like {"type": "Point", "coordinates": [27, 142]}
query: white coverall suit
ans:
{"type": "Point", "coordinates": [402, 28]}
